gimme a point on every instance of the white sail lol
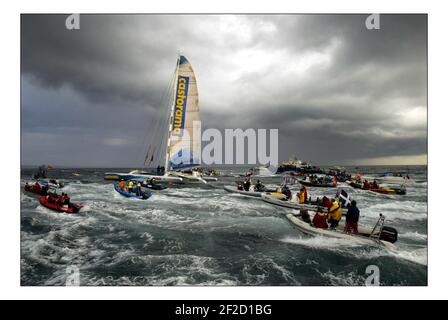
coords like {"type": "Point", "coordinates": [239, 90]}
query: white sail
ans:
{"type": "Point", "coordinates": [183, 136]}
{"type": "Point", "coordinates": [184, 132]}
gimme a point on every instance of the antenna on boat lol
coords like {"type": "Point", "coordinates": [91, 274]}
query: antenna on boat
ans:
{"type": "Point", "coordinates": [379, 225]}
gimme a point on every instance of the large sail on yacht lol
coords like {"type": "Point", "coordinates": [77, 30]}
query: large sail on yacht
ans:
{"type": "Point", "coordinates": [183, 137]}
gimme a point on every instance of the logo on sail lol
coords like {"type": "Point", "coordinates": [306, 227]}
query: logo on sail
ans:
{"type": "Point", "coordinates": [180, 105]}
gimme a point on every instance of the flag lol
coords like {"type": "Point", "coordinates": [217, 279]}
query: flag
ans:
{"type": "Point", "coordinates": [344, 198]}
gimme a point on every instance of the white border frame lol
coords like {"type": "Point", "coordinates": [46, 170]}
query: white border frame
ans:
{"type": "Point", "coordinates": [10, 162]}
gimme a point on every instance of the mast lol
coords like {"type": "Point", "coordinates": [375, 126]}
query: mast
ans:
{"type": "Point", "coordinates": [170, 122]}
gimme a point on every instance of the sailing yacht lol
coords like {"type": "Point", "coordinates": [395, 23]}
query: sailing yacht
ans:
{"type": "Point", "coordinates": [183, 142]}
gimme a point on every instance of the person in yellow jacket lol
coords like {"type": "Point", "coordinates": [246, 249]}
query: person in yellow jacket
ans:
{"type": "Point", "coordinates": [334, 214]}
{"type": "Point", "coordinates": [130, 186]}
{"type": "Point", "coordinates": [301, 197]}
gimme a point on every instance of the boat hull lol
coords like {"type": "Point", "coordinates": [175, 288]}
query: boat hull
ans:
{"type": "Point", "coordinates": [144, 195]}
{"type": "Point", "coordinates": [339, 234]}
{"type": "Point", "coordinates": [116, 176]}
{"type": "Point", "coordinates": [386, 190]}
{"type": "Point", "coordinates": [73, 208]}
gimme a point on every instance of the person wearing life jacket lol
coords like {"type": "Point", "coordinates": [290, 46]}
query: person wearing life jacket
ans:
{"type": "Point", "coordinates": [27, 187]}
{"type": "Point", "coordinates": [334, 214]}
{"type": "Point", "coordinates": [375, 185]}
{"type": "Point", "coordinates": [36, 188]}
{"type": "Point", "coordinates": [130, 186]}
{"type": "Point", "coordinates": [320, 219]}
{"type": "Point", "coordinates": [122, 185]}
{"type": "Point", "coordinates": [301, 196]}
{"type": "Point", "coordinates": [304, 196]}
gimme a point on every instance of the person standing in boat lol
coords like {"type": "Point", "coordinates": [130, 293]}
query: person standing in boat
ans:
{"type": "Point", "coordinates": [139, 188]}
{"type": "Point", "coordinates": [302, 196]}
{"type": "Point", "coordinates": [130, 186]}
{"type": "Point", "coordinates": [305, 194]}
{"type": "Point", "coordinates": [352, 218]}
{"type": "Point", "coordinates": [334, 214]}
{"type": "Point", "coordinates": [122, 185]}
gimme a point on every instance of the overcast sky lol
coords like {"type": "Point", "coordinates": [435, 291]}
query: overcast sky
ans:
{"type": "Point", "coordinates": [337, 92]}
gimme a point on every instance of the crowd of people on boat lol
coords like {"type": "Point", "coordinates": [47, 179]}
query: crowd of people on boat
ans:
{"type": "Point", "coordinates": [314, 179]}
{"type": "Point", "coordinates": [36, 188]}
{"type": "Point", "coordinates": [331, 219]}
{"type": "Point", "coordinates": [52, 196]}
{"type": "Point", "coordinates": [130, 186]}
{"type": "Point", "coordinates": [370, 185]}
{"type": "Point", "coordinates": [259, 187]}
{"type": "Point", "coordinates": [60, 200]}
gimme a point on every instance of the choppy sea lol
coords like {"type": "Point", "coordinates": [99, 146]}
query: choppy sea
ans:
{"type": "Point", "coordinates": [202, 235]}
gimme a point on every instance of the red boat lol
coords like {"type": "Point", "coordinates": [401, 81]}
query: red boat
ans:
{"type": "Point", "coordinates": [33, 192]}
{"type": "Point", "coordinates": [71, 208]}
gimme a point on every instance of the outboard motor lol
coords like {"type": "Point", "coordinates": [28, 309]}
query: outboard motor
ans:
{"type": "Point", "coordinates": [389, 234]}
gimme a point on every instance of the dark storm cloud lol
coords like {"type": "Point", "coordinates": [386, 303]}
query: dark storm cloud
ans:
{"type": "Point", "coordinates": [335, 90]}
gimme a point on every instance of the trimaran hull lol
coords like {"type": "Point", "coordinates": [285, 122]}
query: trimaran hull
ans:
{"type": "Point", "coordinates": [132, 176]}
{"type": "Point", "coordinates": [170, 177]}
